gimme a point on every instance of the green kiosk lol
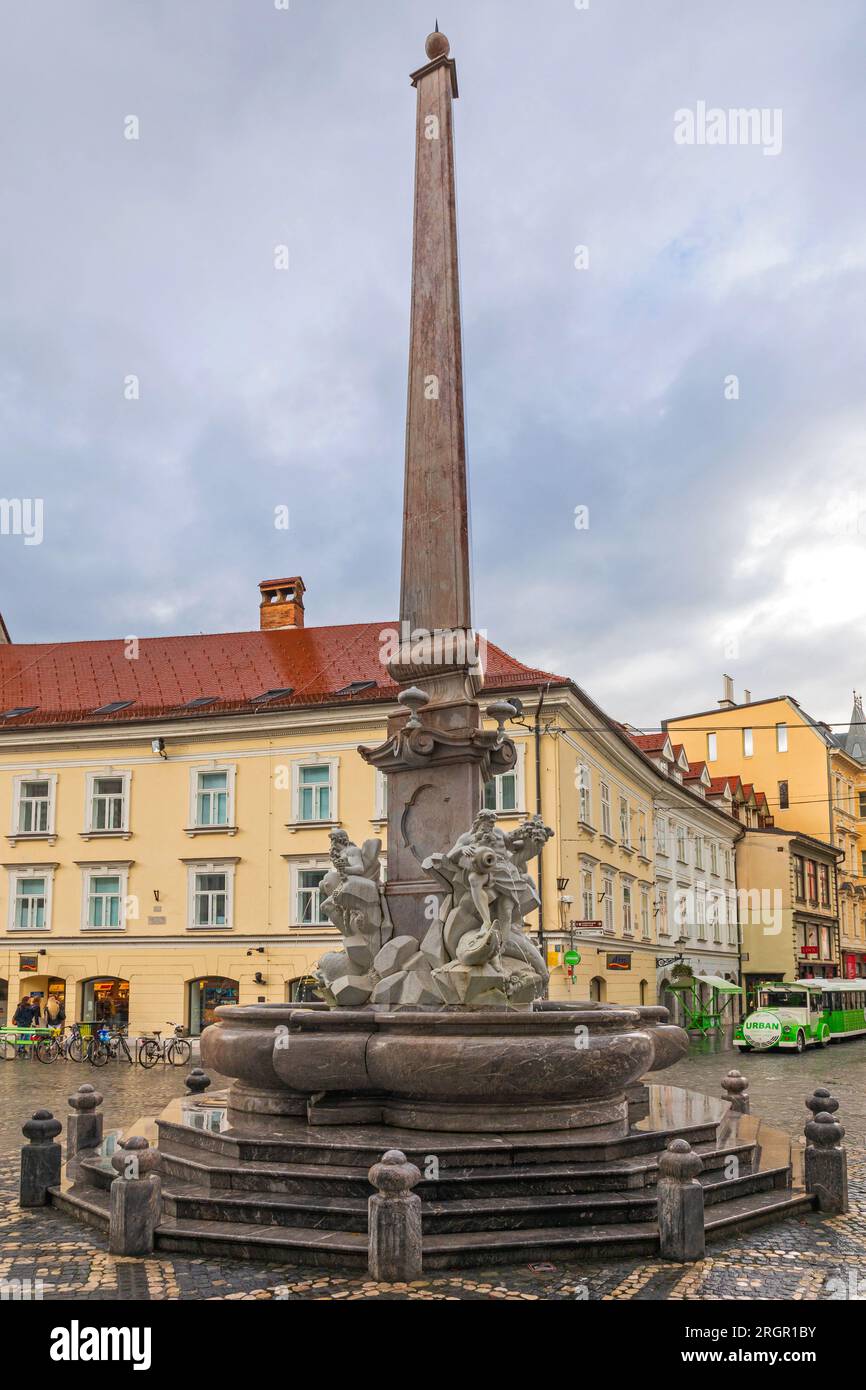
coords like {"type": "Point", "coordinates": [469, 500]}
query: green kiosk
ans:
{"type": "Point", "coordinates": [699, 1016]}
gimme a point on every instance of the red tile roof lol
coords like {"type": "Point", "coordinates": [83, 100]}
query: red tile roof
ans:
{"type": "Point", "coordinates": [718, 784]}
{"type": "Point", "coordinates": [67, 681]}
{"type": "Point", "coordinates": [649, 743]}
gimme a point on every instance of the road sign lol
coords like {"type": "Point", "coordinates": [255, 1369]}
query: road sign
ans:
{"type": "Point", "coordinates": [572, 957]}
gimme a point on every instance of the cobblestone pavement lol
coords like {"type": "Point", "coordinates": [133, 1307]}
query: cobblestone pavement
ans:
{"type": "Point", "coordinates": [799, 1259]}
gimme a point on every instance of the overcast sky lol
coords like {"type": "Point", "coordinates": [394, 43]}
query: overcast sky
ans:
{"type": "Point", "coordinates": [724, 534]}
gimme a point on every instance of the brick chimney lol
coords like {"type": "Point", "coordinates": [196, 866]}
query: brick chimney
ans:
{"type": "Point", "coordinates": [282, 603]}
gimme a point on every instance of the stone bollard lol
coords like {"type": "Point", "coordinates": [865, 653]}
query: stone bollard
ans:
{"type": "Point", "coordinates": [735, 1088]}
{"type": "Point", "coordinates": [821, 1100]}
{"type": "Point", "coordinates": [136, 1198]}
{"type": "Point", "coordinates": [40, 1159]}
{"type": "Point", "coordinates": [680, 1203]}
{"type": "Point", "coordinates": [84, 1125]}
{"type": "Point", "coordinates": [826, 1164]}
{"type": "Point", "coordinates": [395, 1220]}
{"type": "Point", "coordinates": [197, 1081]}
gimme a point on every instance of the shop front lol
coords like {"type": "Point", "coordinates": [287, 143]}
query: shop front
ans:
{"type": "Point", "coordinates": [204, 997]}
{"type": "Point", "coordinates": [105, 1000]}
{"type": "Point", "coordinates": [854, 965]}
{"type": "Point", "coordinates": [816, 959]}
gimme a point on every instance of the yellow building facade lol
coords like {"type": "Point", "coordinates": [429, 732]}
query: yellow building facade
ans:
{"type": "Point", "coordinates": [814, 780]}
{"type": "Point", "coordinates": [152, 873]}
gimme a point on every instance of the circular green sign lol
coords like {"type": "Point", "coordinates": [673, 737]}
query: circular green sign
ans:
{"type": "Point", "coordinates": [572, 958]}
{"type": "Point", "coordinates": [762, 1028]}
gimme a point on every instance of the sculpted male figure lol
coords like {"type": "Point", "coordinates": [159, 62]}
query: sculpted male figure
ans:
{"type": "Point", "coordinates": [485, 872]}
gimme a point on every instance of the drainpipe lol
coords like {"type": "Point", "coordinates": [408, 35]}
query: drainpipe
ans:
{"type": "Point", "coordinates": [542, 691]}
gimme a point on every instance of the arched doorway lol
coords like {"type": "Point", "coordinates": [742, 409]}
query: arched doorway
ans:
{"type": "Point", "coordinates": [668, 999]}
{"type": "Point", "coordinates": [598, 989]}
{"type": "Point", "coordinates": [204, 996]}
{"type": "Point", "coordinates": [50, 991]}
{"type": "Point", "coordinates": [644, 991]}
{"type": "Point", "coordinates": [105, 999]}
{"type": "Point", "coordinates": [303, 990]}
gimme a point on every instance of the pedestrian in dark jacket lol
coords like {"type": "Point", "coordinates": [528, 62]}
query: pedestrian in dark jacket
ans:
{"type": "Point", "coordinates": [24, 1015]}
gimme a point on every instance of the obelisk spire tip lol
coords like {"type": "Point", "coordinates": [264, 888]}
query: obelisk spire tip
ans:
{"type": "Point", "coordinates": [437, 45]}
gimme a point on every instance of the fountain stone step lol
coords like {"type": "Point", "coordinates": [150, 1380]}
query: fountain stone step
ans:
{"type": "Point", "coordinates": [364, 1146]}
{"type": "Point", "coordinates": [462, 1250]}
{"type": "Point", "coordinates": [528, 1210]}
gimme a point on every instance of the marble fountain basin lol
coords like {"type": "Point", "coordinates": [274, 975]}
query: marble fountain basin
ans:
{"type": "Point", "coordinates": [554, 1067]}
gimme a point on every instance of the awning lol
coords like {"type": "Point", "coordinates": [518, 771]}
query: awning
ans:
{"type": "Point", "coordinates": [716, 982]}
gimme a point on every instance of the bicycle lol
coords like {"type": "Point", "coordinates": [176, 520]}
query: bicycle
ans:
{"type": "Point", "coordinates": [176, 1050]}
{"type": "Point", "coordinates": [54, 1047]}
{"type": "Point", "coordinates": [108, 1046]}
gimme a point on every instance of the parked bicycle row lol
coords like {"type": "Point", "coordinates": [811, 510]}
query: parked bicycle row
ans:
{"type": "Point", "coordinates": [96, 1044]}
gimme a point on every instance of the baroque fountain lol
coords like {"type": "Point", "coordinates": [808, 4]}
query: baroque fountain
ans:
{"type": "Point", "coordinates": [526, 1117]}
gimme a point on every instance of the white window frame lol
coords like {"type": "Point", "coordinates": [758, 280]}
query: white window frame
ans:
{"type": "Point", "coordinates": [624, 822]}
{"type": "Point", "coordinates": [90, 792]}
{"type": "Point", "coordinates": [608, 886]}
{"type": "Point", "coordinates": [645, 924]}
{"type": "Point", "coordinates": [210, 866]}
{"type": "Point", "coordinates": [320, 865]}
{"type": "Point", "coordinates": [518, 773]}
{"type": "Point", "coordinates": [748, 743]}
{"type": "Point", "coordinates": [627, 908]}
{"type": "Point", "coordinates": [641, 834]}
{"type": "Point", "coordinates": [699, 851]}
{"type": "Point", "coordinates": [49, 833]}
{"type": "Point", "coordinates": [587, 893]}
{"type": "Point", "coordinates": [781, 738]}
{"type": "Point", "coordinates": [661, 835]}
{"type": "Point", "coordinates": [606, 822]}
{"type": "Point", "coordinates": [380, 796]}
{"type": "Point", "coordinates": [663, 914]}
{"type": "Point", "coordinates": [584, 793]}
{"type": "Point", "coordinates": [714, 858]}
{"type": "Point", "coordinates": [682, 842]}
{"type": "Point", "coordinates": [333, 765]}
{"type": "Point", "coordinates": [701, 913]}
{"type": "Point", "coordinates": [202, 770]}
{"type": "Point", "coordinates": [88, 873]}
{"type": "Point", "coordinates": [43, 871]}
{"type": "Point", "coordinates": [712, 748]}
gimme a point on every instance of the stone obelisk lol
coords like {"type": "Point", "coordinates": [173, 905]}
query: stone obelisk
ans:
{"type": "Point", "coordinates": [437, 755]}
{"type": "Point", "coordinates": [434, 582]}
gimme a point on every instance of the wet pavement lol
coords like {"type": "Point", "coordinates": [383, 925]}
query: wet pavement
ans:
{"type": "Point", "coordinates": [798, 1259]}
{"type": "Point", "coordinates": [780, 1081]}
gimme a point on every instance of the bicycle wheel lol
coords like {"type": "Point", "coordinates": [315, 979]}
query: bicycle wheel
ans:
{"type": "Point", "coordinates": [47, 1050]}
{"type": "Point", "coordinates": [75, 1049]}
{"type": "Point", "coordinates": [179, 1052]}
{"type": "Point", "coordinates": [99, 1054]}
{"type": "Point", "coordinates": [149, 1052]}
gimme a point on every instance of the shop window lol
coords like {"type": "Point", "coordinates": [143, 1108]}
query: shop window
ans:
{"type": "Point", "coordinates": [303, 990]}
{"type": "Point", "coordinates": [105, 1000]}
{"type": "Point", "coordinates": [205, 996]}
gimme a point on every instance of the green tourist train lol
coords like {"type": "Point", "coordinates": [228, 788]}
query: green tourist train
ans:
{"type": "Point", "coordinates": [803, 1013]}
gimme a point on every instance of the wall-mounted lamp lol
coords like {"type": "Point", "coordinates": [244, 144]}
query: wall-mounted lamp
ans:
{"type": "Point", "coordinates": [157, 745]}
